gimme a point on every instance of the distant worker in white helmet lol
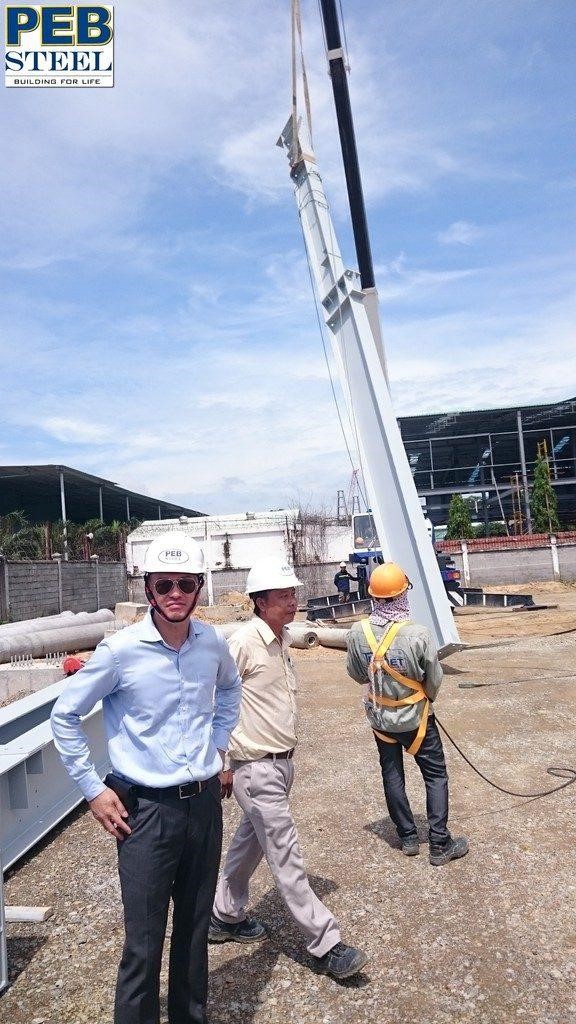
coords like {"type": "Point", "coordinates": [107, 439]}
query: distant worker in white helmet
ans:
{"type": "Point", "coordinates": [170, 694]}
{"type": "Point", "coordinates": [397, 662]}
{"type": "Point", "coordinates": [261, 757]}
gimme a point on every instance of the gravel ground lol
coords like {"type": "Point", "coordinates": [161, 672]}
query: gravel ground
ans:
{"type": "Point", "coordinates": [490, 939]}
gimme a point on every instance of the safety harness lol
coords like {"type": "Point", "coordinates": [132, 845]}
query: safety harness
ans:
{"type": "Point", "coordinates": [378, 664]}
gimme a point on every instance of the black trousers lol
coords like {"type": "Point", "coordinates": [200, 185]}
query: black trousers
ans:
{"type": "Point", "coordinates": [431, 762]}
{"type": "Point", "coordinates": [173, 853]}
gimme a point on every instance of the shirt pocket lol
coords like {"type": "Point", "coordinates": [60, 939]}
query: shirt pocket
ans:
{"type": "Point", "coordinates": [199, 695]}
{"type": "Point", "coordinates": [290, 672]}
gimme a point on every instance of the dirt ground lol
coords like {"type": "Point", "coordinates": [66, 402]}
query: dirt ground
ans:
{"type": "Point", "coordinates": [490, 939]}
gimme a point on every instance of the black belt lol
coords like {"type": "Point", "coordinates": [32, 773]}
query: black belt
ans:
{"type": "Point", "coordinates": [182, 792]}
{"type": "Point", "coordinates": [283, 755]}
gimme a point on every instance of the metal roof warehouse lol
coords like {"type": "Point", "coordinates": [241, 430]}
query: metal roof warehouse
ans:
{"type": "Point", "coordinates": [50, 493]}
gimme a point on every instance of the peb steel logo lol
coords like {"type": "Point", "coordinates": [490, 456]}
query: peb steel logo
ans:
{"type": "Point", "coordinates": [59, 47]}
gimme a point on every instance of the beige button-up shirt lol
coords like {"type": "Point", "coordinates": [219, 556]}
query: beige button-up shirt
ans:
{"type": "Point", "coordinates": [268, 714]}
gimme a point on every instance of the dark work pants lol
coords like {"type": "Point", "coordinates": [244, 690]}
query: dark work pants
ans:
{"type": "Point", "coordinates": [430, 760]}
{"type": "Point", "coordinates": [173, 852]}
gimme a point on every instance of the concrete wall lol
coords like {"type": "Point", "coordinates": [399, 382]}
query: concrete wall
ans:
{"type": "Point", "coordinates": [501, 563]}
{"type": "Point", "coordinates": [317, 580]}
{"type": "Point", "coordinates": [30, 589]}
{"type": "Point", "coordinates": [508, 563]}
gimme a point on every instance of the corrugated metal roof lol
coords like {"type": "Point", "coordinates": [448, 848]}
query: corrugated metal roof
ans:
{"type": "Point", "coordinates": [35, 490]}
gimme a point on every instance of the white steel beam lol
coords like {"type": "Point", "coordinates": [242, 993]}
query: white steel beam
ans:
{"type": "Point", "coordinates": [349, 316]}
{"type": "Point", "coordinates": [35, 790]}
{"type": "Point", "coordinates": [3, 949]}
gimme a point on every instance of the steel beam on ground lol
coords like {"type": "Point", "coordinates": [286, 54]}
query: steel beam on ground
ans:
{"type": "Point", "coordinates": [3, 949]}
{"type": "Point", "coordinates": [36, 793]}
{"type": "Point", "coordinates": [63, 510]}
{"type": "Point", "coordinates": [35, 790]}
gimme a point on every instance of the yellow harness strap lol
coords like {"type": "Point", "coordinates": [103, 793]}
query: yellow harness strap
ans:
{"type": "Point", "coordinates": [379, 661]}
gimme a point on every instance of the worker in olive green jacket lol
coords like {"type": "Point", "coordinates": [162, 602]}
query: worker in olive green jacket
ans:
{"type": "Point", "coordinates": [397, 663]}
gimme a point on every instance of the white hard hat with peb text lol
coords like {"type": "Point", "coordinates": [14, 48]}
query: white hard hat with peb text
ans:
{"type": "Point", "coordinates": [174, 551]}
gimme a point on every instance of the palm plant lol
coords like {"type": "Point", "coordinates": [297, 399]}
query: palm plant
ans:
{"type": "Point", "coordinates": [19, 539]}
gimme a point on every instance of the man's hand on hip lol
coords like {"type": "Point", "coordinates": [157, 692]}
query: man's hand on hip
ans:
{"type": "Point", "coordinates": [109, 810]}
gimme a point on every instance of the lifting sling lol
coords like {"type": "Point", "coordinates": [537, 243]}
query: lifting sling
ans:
{"type": "Point", "coordinates": [378, 664]}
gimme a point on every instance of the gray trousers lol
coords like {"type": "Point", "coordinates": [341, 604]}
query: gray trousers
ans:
{"type": "Point", "coordinates": [267, 830]}
{"type": "Point", "coordinates": [173, 853]}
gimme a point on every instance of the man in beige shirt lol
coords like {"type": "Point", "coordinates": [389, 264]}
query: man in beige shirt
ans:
{"type": "Point", "coordinates": [261, 750]}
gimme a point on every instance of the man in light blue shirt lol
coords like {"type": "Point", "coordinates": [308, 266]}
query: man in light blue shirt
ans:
{"type": "Point", "coordinates": [170, 694]}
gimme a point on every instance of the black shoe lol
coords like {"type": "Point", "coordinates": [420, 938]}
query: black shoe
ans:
{"type": "Point", "coordinates": [410, 846]}
{"type": "Point", "coordinates": [342, 961]}
{"type": "Point", "coordinates": [247, 930]}
{"type": "Point", "coordinates": [453, 849]}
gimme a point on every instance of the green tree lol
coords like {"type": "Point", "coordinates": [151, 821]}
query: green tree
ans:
{"type": "Point", "coordinates": [93, 538]}
{"type": "Point", "coordinates": [459, 525]}
{"type": "Point", "coordinates": [18, 539]}
{"type": "Point", "coordinates": [543, 500]}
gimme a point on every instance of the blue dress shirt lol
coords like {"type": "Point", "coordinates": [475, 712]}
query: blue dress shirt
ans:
{"type": "Point", "coordinates": [166, 712]}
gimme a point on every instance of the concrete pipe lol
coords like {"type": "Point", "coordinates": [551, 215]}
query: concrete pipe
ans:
{"type": "Point", "coordinates": [35, 625]}
{"type": "Point", "coordinates": [328, 637]}
{"type": "Point", "coordinates": [61, 621]}
{"type": "Point", "coordinates": [302, 636]}
{"type": "Point", "coordinates": [52, 641]}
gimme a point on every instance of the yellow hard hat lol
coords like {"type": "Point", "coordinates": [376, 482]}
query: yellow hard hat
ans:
{"type": "Point", "coordinates": [388, 580]}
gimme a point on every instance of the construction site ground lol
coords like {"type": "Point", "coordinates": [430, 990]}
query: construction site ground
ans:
{"type": "Point", "coordinates": [489, 939]}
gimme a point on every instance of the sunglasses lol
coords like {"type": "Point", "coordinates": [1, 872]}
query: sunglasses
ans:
{"type": "Point", "coordinates": [186, 585]}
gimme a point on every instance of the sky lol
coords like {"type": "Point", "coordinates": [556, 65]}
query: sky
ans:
{"type": "Point", "coordinates": [158, 325]}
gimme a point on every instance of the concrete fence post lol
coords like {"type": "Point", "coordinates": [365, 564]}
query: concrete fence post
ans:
{"type": "Point", "coordinates": [4, 590]}
{"type": "Point", "coordinates": [95, 559]}
{"type": "Point", "coordinates": [58, 559]}
{"type": "Point", "coordinates": [554, 553]}
{"type": "Point", "coordinates": [465, 564]}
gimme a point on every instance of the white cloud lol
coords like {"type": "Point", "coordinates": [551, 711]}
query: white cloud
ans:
{"type": "Point", "coordinates": [397, 279]}
{"type": "Point", "coordinates": [158, 326]}
{"type": "Point", "coordinates": [75, 431]}
{"type": "Point", "coordinates": [461, 232]}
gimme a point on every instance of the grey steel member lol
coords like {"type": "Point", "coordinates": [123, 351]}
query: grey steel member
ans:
{"type": "Point", "coordinates": [261, 758]}
{"type": "Point", "coordinates": [397, 662]}
{"type": "Point", "coordinates": [170, 694]}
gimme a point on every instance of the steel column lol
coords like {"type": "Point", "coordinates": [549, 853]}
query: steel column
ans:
{"type": "Point", "coordinates": [524, 472]}
{"type": "Point", "coordinates": [63, 508]}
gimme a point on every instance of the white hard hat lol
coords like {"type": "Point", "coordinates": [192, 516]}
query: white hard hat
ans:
{"type": "Point", "coordinates": [342, 565]}
{"type": "Point", "coordinates": [271, 574]}
{"type": "Point", "coordinates": [174, 551]}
